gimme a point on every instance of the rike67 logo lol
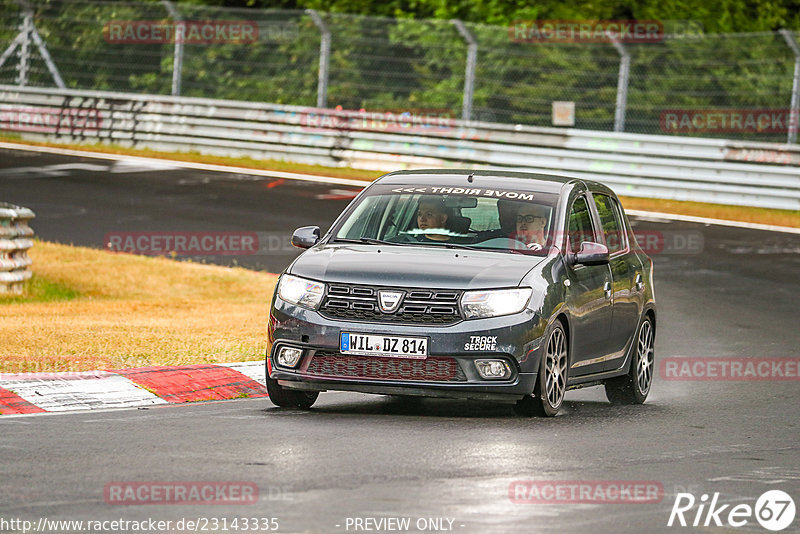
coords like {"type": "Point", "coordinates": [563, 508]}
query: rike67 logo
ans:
{"type": "Point", "coordinates": [774, 510]}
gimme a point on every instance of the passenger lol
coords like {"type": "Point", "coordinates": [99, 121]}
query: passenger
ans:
{"type": "Point", "coordinates": [432, 214]}
{"type": "Point", "coordinates": [531, 222]}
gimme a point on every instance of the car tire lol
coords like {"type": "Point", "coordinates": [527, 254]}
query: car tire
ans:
{"type": "Point", "coordinates": [287, 398]}
{"type": "Point", "coordinates": [306, 399]}
{"type": "Point", "coordinates": [634, 387]}
{"type": "Point", "coordinates": [551, 382]}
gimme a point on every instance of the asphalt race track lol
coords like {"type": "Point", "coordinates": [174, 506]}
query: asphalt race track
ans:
{"type": "Point", "coordinates": [83, 201]}
{"type": "Point", "coordinates": [434, 461]}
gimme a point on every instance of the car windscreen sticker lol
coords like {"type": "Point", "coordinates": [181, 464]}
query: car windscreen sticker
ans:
{"type": "Point", "coordinates": [476, 191]}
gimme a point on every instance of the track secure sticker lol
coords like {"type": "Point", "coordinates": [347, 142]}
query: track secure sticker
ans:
{"type": "Point", "coordinates": [478, 343]}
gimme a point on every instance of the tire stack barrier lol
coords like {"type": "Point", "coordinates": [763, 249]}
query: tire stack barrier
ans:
{"type": "Point", "coordinates": [15, 240]}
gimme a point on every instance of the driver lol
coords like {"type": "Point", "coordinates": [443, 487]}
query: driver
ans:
{"type": "Point", "coordinates": [531, 221]}
{"type": "Point", "coordinates": [431, 215]}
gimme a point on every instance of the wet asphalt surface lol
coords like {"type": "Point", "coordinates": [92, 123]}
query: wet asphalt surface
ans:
{"type": "Point", "coordinates": [359, 456]}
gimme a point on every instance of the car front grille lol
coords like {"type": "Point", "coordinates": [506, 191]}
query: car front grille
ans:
{"type": "Point", "coordinates": [431, 369]}
{"type": "Point", "coordinates": [418, 306]}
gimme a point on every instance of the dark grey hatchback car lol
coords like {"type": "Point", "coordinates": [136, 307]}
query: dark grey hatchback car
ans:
{"type": "Point", "coordinates": [498, 286]}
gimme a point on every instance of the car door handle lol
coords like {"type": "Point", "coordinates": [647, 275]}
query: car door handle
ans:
{"type": "Point", "coordinates": [639, 282]}
{"type": "Point", "coordinates": [607, 289]}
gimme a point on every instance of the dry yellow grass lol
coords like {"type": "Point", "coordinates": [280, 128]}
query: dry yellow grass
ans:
{"type": "Point", "coordinates": [112, 311]}
{"type": "Point", "coordinates": [716, 211]}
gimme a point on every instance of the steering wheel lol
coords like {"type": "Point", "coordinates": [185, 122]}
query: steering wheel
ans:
{"type": "Point", "coordinates": [517, 244]}
{"type": "Point", "coordinates": [402, 238]}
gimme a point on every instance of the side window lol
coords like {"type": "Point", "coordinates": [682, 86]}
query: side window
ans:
{"type": "Point", "coordinates": [580, 224]}
{"type": "Point", "coordinates": [613, 228]}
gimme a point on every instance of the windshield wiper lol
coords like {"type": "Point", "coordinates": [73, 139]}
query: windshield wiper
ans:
{"type": "Point", "coordinates": [368, 241]}
{"type": "Point", "coordinates": [373, 241]}
{"type": "Point", "coordinates": [459, 245]}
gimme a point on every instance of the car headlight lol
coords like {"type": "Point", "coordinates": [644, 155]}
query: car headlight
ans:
{"type": "Point", "coordinates": [296, 290]}
{"type": "Point", "coordinates": [491, 303]}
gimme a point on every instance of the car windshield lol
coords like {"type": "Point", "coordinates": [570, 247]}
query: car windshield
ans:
{"type": "Point", "coordinates": [455, 217]}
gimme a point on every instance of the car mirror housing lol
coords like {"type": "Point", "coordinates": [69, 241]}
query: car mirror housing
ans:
{"type": "Point", "coordinates": [591, 253]}
{"type": "Point", "coordinates": [305, 236]}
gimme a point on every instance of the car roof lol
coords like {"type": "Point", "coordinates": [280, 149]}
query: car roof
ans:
{"type": "Point", "coordinates": [545, 183]}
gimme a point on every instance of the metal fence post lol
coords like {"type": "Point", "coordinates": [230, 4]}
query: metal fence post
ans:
{"type": "Point", "coordinates": [177, 56]}
{"type": "Point", "coordinates": [794, 106]}
{"type": "Point", "coordinates": [622, 86]}
{"type": "Point", "coordinates": [24, 49]}
{"type": "Point", "coordinates": [324, 58]}
{"type": "Point", "coordinates": [27, 32]}
{"type": "Point", "coordinates": [469, 74]}
{"type": "Point", "coordinates": [51, 66]}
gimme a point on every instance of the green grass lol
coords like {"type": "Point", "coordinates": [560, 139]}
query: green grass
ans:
{"type": "Point", "coordinates": [41, 289]}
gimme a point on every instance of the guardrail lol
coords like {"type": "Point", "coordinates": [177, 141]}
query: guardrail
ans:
{"type": "Point", "coordinates": [669, 167]}
{"type": "Point", "coordinates": [15, 241]}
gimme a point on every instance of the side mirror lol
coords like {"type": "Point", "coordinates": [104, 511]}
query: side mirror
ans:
{"type": "Point", "coordinates": [591, 253]}
{"type": "Point", "coordinates": [305, 236]}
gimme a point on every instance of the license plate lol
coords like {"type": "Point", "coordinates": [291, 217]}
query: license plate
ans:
{"type": "Point", "coordinates": [386, 346]}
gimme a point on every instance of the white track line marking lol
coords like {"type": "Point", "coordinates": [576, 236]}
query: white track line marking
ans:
{"type": "Point", "coordinates": [139, 160]}
{"type": "Point", "coordinates": [79, 391]}
{"type": "Point", "coordinates": [254, 370]}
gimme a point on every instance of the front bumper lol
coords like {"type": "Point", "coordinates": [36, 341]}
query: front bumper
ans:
{"type": "Point", "coordinates": [449, 371]}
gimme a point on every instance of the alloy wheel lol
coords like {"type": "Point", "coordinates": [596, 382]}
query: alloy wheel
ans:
{"type": "Point", "coordinates": [644, 370]}
{"type": "Point", "coordinates": [556, 368]}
